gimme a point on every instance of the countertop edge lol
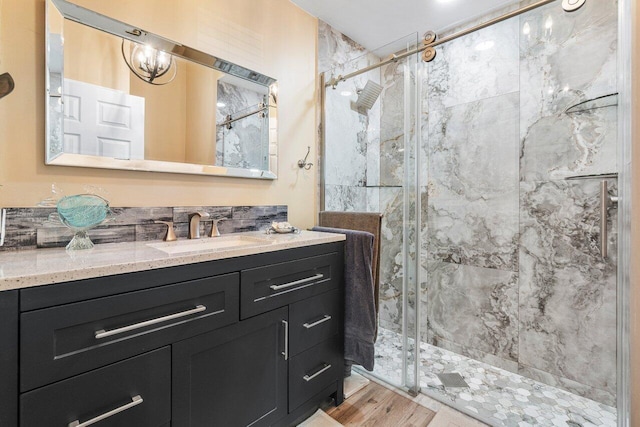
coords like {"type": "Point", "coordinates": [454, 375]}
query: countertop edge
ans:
{"type": "Point", "coordinates": [51, 266]}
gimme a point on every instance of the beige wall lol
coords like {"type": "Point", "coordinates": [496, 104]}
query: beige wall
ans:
{"type": "Point", "coordinates": [635, 227]}
{"type": "Point", "coordinates": [93, 57]}
{"type": "Point", "coordinates": [165, 122]}
{"type": "Point", "coordinates": [287, 51]}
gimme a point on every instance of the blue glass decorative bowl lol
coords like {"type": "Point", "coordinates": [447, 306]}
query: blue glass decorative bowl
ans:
{"type": "Point", "coordinates": [80, 213]}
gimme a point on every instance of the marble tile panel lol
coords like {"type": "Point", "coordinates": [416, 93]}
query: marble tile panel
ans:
{"type": "Point", "coordinates": [346, 137]}
{"type": "Point", "coordinates": [480, 65]}
{"type": "Point", "coordinates": [473, 353]}
{"type": "Point", "coordinates": [392, 124]}
{"type": "Point", "coordinates": [567, 58]}
{"type": "Point", "coordinates": [373, 199]}
{"type": "Point", "coordinates": [472, 212]}
{"type": "Point", "coordinates": [343, 198]}
{"type": "Point", "coordinates": [336, 49]}
{"type": "Point", "coordinates": [567, 290]}
{"type": "Point", "coordinates": [605, 397]}
{"type": "Point", "coordinates": [563, 145]}
{"type": "Point", "coordinates": [391, 262]}
{"type": "Point", "coordinates": [373, 152]}
{"type": "Point", "coordinates": [473, 307]}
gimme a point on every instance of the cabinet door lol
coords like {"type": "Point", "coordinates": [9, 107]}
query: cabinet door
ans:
{"type": "Point", "coordinates": [232, 377]}
{"type": "Point", "coordinates": [133, 392]}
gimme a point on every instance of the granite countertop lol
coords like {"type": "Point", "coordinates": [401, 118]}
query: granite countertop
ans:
{"type": "Point", "coordinates": [27, 268]}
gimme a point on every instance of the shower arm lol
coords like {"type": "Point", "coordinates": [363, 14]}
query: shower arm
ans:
{"type": "Point", "coordinates": [432, 44]}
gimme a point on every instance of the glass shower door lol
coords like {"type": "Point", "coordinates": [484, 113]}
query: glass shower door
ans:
{"type": "Point", "coordinates": [370, 165]}
{"type": "Point", "coordinates": [517, 296]}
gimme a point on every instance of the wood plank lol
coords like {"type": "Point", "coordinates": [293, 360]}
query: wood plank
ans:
{"type": "Point", "coordinates": [378, 406]}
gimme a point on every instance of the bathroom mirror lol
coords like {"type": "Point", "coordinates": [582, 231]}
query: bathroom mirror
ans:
{"type": "Point", "coordinates": [119, 97]}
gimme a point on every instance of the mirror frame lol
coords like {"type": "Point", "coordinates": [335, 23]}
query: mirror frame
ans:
{"type": "Point", "coordinates": [120, 29]}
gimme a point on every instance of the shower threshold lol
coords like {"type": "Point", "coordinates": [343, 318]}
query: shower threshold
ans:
{"type": "Point", "coordinates": [494, 396]}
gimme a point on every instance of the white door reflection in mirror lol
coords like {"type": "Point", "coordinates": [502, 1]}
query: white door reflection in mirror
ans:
{"type": "Point", "coordinates": [99, 121]}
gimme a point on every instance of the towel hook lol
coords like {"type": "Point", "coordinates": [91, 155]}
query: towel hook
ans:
{"type": "Point", "coordinates": [302, 164]}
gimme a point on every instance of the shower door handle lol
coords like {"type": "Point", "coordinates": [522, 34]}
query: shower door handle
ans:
{"type": "Point", "coordinates": [606, 202]}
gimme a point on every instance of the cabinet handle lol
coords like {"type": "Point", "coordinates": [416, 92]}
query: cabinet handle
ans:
{"type": "Point", "coordinates": [285, 353]}
{"type": "Point", "coordinates": [103, 334]}
{"type": "Point", "coordinates": [308, 378]}
{"type": "Point", "coordinates": [135, 401]}
{"type": "Point", "coordinates": [311, 325]}
{"type": "Point", "coordinates": [297, 282]}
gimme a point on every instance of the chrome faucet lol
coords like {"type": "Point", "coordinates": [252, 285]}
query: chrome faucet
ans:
{"type": "Point", "coordinates": [194, 224]}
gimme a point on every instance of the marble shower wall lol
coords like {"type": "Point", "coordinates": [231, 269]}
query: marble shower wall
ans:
{"type": "Point", "coordinates": [509, 248]}
{"type": "Point", "coordinates": [567, 291]}
{"type": "Point", "coordinates": [352, 139]}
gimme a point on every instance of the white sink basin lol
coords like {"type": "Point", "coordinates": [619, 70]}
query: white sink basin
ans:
{"type": "Point", "coordinates": [209, 244]}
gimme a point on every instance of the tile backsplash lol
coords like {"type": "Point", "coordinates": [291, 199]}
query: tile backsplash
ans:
{"type": "Point", "coordinates": [30, 228]}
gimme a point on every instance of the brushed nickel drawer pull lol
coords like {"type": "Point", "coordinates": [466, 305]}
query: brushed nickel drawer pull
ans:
{"type": "Point", "coordinates": [285, 353]}
{"type": "Point", "coordinates": [297, 282]}
{"type": "Point", "coordinates": [135, 401]}
{"type": "Point", "coordinates": [308, 378]}
{"type": "Point", "coordinates": [311, 325]}
{"type": "Point", "coordinates": [103, 334]}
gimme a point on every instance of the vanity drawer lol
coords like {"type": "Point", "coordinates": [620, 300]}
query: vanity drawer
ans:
{"type": "Point", "coordinates": [312, 371]}
{"type": "Point", "coordinates": [314, 320]}
{"type": "Point", "coordinates": [266, 288]}
{"type": "Point", "coordinates": [58, 342]}
{"type": "Point", "coordinates": [134, 392]}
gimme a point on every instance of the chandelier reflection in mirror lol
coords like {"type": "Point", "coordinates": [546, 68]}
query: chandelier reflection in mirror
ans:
{"type": "Point", "coordinates": [149, 64]}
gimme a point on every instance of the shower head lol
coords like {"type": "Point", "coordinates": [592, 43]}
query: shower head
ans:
{"type": "Point", "coordinates": [368, 96]}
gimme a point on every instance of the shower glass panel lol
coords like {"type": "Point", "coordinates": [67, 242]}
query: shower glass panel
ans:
{"type": "Point", "coordinates": [515, 293]}
{"type": "Point", "coordinates": [370, 165]}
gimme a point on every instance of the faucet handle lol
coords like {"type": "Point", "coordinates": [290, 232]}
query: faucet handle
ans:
{"type": "Point", "coordinates": [215, 232]}
{"type": "Point", "coordinates": [171, 234]}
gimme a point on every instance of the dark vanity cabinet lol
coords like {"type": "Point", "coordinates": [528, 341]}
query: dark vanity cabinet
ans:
{"type": "Point", "coordinates": [253, 340]}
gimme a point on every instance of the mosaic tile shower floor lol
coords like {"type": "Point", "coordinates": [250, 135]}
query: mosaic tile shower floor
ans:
{"type": "Point", "coordinates": [495, 396]}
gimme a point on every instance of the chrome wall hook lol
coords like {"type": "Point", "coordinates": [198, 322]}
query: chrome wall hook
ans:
{"type": "Point", "coordinates": [302, 164]}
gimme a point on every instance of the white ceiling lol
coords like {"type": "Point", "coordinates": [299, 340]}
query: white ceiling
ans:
{"type": "Point", "coordinates": [375, 23]}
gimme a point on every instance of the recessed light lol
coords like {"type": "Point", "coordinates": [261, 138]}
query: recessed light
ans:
{"type": "Point", "coordinates": [485, 45]}
{"type": "Point", "coordinates": [346, 93]}
{"type": "Point", "coordinates": [221, 104]}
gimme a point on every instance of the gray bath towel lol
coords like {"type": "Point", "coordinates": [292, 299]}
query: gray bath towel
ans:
{"type": "Point", "coordinates": [360, 309]}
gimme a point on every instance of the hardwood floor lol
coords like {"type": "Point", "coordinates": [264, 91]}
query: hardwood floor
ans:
{"type": "Point", "coordinates": [378, 406]}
